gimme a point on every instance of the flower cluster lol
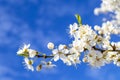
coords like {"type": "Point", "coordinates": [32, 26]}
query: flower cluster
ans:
{"type": "Point", "coordinates": [29, 58]}
{"type": "Point", "coordinates": [67, 55]}
{"type": "Point", "coordinates": [93, 44]}
{"type": "Point", "coordinates": [112, 6]}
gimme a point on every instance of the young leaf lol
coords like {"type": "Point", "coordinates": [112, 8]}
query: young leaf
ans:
{"type": "Point", "coordinates": [78, 19]}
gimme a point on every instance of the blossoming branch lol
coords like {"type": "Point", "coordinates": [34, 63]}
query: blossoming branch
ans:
{"type": "Point", "coordinates": [94, 43]}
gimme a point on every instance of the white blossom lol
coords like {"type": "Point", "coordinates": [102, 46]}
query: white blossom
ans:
{"type": "Point", "coordinates": [95, 58]}
{"type": "Point", "coordinates": [32, 53]}
{"type": "Point", "coordinates": [48, 64]}
{"type": "Point", "coordinates": [112, 6]}
{"type": "Point", "coordinates": [74, 59]}
{"type": "Point", "coordinates": [117, 60]}
{"type": "Point", "coordinates": [24, 49]}
{"type": "Point", "coordinates": [59, 53]}
{"type": "Point", "coordinates": [28, 64]}
{"type": "Point", "coordinates": [73, 28]}
{"type": "Point", "coordinates": [111, 56]}
{"type": "Point", "coordinates": [79, 45]}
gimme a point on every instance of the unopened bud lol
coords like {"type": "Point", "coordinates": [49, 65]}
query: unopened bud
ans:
{"type": "Point", "coordinates": [39, 67]}
{"type": "Point", "coordinates": [50, 45]}
{"type": "Point", "coordinates": [85, 60]}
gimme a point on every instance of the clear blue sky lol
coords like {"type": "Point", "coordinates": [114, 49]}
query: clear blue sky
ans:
{"type": "Point", "coordinates": [37, 22]}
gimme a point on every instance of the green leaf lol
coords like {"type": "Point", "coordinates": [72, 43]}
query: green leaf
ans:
{"type": "Point", "coordinates": [78, 19]}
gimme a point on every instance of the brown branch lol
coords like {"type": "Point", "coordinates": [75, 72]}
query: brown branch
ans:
{"type": "Point", "coordinates": [44, 56]}
{"type": "Point", "coordinates": [114, 49]}
{"type": "Point", "coordinates": [51, 56]}
{"type": "Point", "coordinates": [98, 49]}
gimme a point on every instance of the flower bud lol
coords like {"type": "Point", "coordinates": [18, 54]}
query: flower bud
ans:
{"type": "Point", "coordinates": [50, 45]}
{"type": "Point", "coordinates": [85, 59]}
{"type": "Point", "coordinates": [39, 67]}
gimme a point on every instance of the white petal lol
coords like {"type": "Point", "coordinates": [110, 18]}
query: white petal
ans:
{"type": "Point", "coordinates": [32, 53]}
{"type": "Point", "coordinates": [56, 57]}
{"type": "Point", "coordinates": [55, 51]}
{"type": "Point", "coordinates": [63, 57]}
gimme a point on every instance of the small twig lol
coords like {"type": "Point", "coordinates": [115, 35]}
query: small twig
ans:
{"type": "Point", "coordinates": [51, 56]}
{"type": "Point", "coordinates": [44, 56]}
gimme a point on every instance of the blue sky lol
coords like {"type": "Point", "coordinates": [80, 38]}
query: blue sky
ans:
{"type": "Point", "coordinates": [37, 22]}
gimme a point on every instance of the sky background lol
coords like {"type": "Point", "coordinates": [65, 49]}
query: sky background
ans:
{"type": "Point", "coordinates": [37, 22]}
